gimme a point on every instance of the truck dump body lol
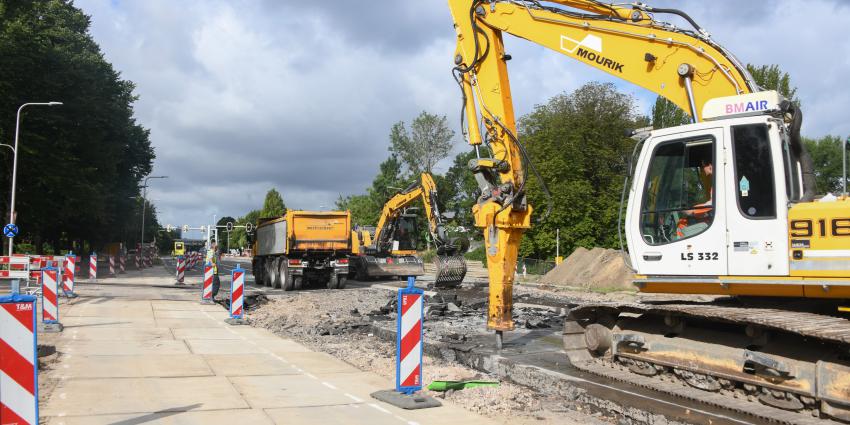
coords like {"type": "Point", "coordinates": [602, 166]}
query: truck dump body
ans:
{"type": "Point", "coordinates": [320, 231]}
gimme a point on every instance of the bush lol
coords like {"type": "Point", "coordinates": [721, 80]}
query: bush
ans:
{"type": "Point", "coordinates": [477, 254]}
{"type": "Point", "coordinates": [428, 256]}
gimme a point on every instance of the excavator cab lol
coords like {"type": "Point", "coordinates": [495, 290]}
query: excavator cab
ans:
{"type": "Point", "coordinates": [404, 234]}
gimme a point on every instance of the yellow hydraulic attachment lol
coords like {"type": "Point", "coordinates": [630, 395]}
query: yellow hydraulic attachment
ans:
{"type": "Point", "coordinates": [391, 250]}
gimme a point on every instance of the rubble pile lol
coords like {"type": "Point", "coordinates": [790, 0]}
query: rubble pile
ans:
{"type": "Point", "coordinates": [595, 268]}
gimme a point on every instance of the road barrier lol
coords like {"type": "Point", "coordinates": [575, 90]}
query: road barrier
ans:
{"type": "Point", "coordinates": [181, 268]}
{"type": "Point", "coordinates": [93, 266]}
{"type": "Point", "coordinates": [148, 261]}
{"type": "Point", "coordinates": [50, 300]}
{"type": "Point", "coordinates": [138, 262]}
{"type": "Point", "coordinates": [409, 339]}
{"type": "Point", "coordinates": [111, 265]}
{"type": "Point", "coordinates": [68, 278]}
{"type": "Point", "coordinates": [19, 366]}
{"type": "Point", "coordinates": [122, 263]}
{"type": "Point", "coordinates": [206, 292]}
{"type": "Point", "coordinates": [237, 299]}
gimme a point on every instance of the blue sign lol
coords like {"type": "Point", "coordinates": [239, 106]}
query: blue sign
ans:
{"type": "Point", "coordinates": [10, 230]}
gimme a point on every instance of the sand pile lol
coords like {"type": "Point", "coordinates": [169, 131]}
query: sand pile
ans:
{"type": "Point", "coordinates": [594, 268]}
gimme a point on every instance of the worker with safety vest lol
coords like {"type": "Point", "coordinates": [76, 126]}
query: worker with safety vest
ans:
{"type": "Point", "coordinates": [213, 258]}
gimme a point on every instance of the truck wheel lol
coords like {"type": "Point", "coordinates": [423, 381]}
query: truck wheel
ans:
{"type": "Point", "coordinates": [297, 282]}
{"type": "Point", "coordinates": [341, 282]}
{"type": "Point", "coordinates": [274, 275]}
{"type": "Point", "coordinates": [360, 273]}
{"type": "Point", "coordinates": [333, 281]}
{"type": "Point", "coordinates": [285, 279]}
{"type": "Point", "coordinates": [267, 275]}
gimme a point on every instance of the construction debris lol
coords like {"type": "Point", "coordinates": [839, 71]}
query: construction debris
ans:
{"type": "Point", "coordinates": [595, 268]}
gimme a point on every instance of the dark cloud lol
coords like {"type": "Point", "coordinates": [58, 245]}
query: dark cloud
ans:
{"type": "Point", "coordinates": [242, 96]}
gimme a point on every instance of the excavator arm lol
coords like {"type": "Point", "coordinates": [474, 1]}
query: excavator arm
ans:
{"type": "Point", "coordinates": [683, 65]}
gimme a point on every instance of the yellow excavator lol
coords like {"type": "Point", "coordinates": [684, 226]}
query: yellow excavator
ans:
{"type": "Point", "coordinates": [389, 249]}
{"type": "Point", "coordinates": [724, 206]}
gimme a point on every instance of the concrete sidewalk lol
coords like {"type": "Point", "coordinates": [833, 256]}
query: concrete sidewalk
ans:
{"type": "Point", "coordinates": [137, 350]}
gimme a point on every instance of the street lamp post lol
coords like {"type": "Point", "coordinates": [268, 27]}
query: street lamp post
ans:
{"type": "Point", "coordinates": [15, 161]}
{"type": "Point", "coordinates": [144, 206]}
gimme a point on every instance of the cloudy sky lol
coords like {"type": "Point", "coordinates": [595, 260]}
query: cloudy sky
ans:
{"type": "Point", "coordinates": [242, 96]}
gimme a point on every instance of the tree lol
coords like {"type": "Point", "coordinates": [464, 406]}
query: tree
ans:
{"type": "Point", "coordinates": [827, 159]}
{"type": "Point", "coordinates": [460, 190]}
{"type": "Point", "coordinates": [427, 143]}
{"type": "Point", "coordinates": [223, 234]}
{"type": "Point", "coordinates": [239, 238]}
{"type": "Point", "coordinates": [366, 209]}
{"type": "Point", "coordinates": [577, 142]}
{"type": "Point", "coordinates": [88, 155]}
{"type": "Point", "coordinates": [666, 114]}
{"type": "Point", "coordinates": [770, 77]}
{"type": "Point", "coordinates": [273, 205]}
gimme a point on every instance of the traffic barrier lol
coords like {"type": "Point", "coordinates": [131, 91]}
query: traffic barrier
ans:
{"type": "Point", "coordinates": [122, 263]}
{"type": "Point", "coordinates": [148, 260]}
{"type": "Point", "coordinates": [19, 366]}
{"type": "Point", "coordinates": [138, 262]}
{"type": "Point", "coordinates": [409, 339]}
{"type": "Point", "coordinates": [206, 291]}
{"type": "Point", "coordinates": [93, 266]}
{"type": "Point", "coordinates": [68, 280]}
{"type": "Point", "coordinates": [50, 300]}
{"type": "Point", "coordinates": [181, 268]}
{"type": "Point", "coordinates": [111, 265]}
{"type": "Point", "coordinates": [237, 300]}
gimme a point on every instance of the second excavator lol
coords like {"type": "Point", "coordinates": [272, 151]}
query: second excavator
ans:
{"type": "Point", "coordinates": [389, 249]}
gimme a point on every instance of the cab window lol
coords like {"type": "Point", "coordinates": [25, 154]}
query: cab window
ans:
{"type": "Point", "coordinates": [754, 182]}
{"type": "Point", "coordinates": [678, 200]}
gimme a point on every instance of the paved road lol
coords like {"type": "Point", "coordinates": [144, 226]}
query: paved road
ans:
{"type": "Point", "coordinates": [137, 349]}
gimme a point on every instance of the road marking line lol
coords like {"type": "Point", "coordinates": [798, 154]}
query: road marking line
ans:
{"type": "Point", "coordinates": [310, 375]}
{"type": "Point", "coordinates": [357, 399]}
{"type": "Point", "coordinates": [379, 408]}
{"type": "Point", "coordinates": [329, 385]}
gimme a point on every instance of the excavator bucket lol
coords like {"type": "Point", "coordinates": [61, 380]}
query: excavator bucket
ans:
{"type": "Point", "coordinates": [450, 270]}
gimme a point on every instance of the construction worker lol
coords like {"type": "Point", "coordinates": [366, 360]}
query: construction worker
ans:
{"type": "Point", "coordinates": [213, 258]}
{"type": "Point", "coordinates": [699, 218]}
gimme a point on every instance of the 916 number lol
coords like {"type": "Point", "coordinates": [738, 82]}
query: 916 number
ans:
{"type": "Point", "coordinates": [806, 228]}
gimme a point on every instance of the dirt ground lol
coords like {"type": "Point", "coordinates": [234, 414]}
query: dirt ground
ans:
{"type": "Point", "coordinates": [328, 321]}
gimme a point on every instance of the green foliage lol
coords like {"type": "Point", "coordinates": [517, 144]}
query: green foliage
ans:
{"type": "Point", "coordinates": [459, 190]}
{"type": "Point", "coordinates": [666, 114]}
{"type": "Point", "coordinates": [826, 155]}
{"type": "Point", "coordinates": [273, 205]}
{"type": "Point", "coordinates": [577, 142]}
{"type": "Point", "coordinates": [477, 254]}
{"type": "Point", "coordinates": [428, 256]}
{"type": "Point", "coordinates": [366, 208]}
{"type": "Point", "coordinates": [427, 142]}
{"type": "Point", "coordinates": [88, 155]}
{"type": "Point", "coordinates": [770, 77]}
{"type": "Point", "coordinates": [238, 238]}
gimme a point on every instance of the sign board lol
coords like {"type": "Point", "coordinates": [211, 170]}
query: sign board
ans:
{"type": "Point", "coordinates": [10, 230]}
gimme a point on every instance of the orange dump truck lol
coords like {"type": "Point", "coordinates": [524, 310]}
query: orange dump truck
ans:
{"type": "Point", "coordinates": [303, 247]}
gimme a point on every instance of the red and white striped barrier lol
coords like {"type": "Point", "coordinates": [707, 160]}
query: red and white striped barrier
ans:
{"type": "Point", "coordinates": [122, 263]}
{"type": "Point", "coordinates": [70, 270]}
{"type": "Point", "coordinates": [19, 367]}
{"type": "Point", "coordinates": [237, 287]}
{"type": "Point", "coordinates": [409, 341]}
{"type": "Point", "coordinates": [181, 268]}
{"type": "Point", "coordinates": [206, 291]}
{"type": "Point", "coordinates": [49, 296]}
{"type": "Point", "coordinates": [18, 267]}
{"type": "Point", "coordinates": [93, 266]}
{"type": "Point", "coordinates": [138, 262]}
{"type": "Point", "coordinates": [111, 265]}
{"type": "Point", "coordinates": [148, 260]}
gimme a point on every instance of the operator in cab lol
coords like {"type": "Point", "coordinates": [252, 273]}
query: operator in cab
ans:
{"type": "Point", "coordinates": [698, 218]}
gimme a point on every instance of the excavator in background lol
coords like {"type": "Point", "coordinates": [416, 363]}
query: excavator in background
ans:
{"type": "Point", "coordinates": [724, 206]}
{"type": "Point", "coordinates": [389, 249]}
